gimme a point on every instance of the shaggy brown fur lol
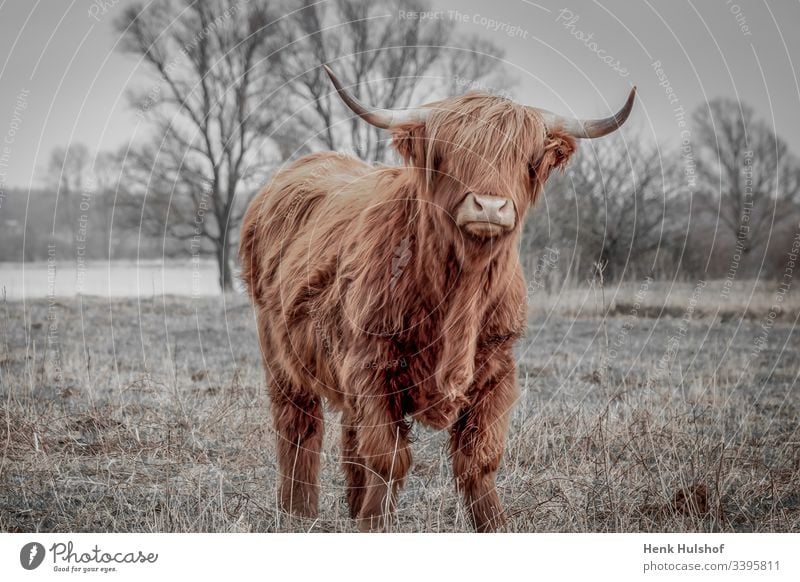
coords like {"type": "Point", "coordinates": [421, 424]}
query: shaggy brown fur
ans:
{"type": "Point", "coordinates": [368, 294]}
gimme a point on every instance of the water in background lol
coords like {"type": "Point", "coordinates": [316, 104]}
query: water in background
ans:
{"type": "Point", "coordinates": [115, 278]}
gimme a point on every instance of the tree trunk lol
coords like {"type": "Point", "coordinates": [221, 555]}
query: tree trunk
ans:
{"type": "Point", "coordinates": [223, 265]}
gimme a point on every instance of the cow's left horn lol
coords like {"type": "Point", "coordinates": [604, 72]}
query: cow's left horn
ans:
{"type": "Point", "coordinates": [588, 128]}
{"type": "Point", "coordinates": [383, 118]}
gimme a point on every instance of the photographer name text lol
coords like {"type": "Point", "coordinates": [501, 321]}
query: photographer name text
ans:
{"type": "Point", "coordinates": [684, 549]}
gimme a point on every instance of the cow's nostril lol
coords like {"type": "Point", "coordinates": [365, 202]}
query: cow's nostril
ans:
{"type": "Point", "coordinates": [488, 209]}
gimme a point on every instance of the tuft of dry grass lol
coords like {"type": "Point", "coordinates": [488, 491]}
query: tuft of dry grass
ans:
{"type": "Point", "coordinates": [150, 414]}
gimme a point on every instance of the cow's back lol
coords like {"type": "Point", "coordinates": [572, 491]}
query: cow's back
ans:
{"type": "Point", "coordinates": [292, 226]}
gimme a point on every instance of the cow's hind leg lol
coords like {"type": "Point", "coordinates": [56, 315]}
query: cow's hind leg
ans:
{"type": "Point", "coordinates": [297, 413]}
{"type": "Point", "coordinates": [352, 464]}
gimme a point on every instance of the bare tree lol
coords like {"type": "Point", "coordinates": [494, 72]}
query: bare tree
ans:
{"type": "Point", "coordinates": [389, 58]}
{"type": "Point", "coordinates": [107, 172]}
{"type": "Point", "coordinates": [747, 178]}
{"type": "Point", "coordinates": [620, 203]}
{"type": "Point", "coordinates": [67, 172]}
{"type": "Point", "coordinates": [211, 110]}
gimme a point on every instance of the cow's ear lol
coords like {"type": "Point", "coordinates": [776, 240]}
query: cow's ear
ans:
{"type": "Point", "coordinates": [558, 150]}
{"type": "Point", "coordinates": [411, 142]}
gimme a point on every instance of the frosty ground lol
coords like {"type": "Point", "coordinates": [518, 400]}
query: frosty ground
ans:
{"type": "Point", "coordinates": [672, 409]}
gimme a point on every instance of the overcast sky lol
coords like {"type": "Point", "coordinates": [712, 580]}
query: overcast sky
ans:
{"type": "Point", "coordinates": [62, 80]}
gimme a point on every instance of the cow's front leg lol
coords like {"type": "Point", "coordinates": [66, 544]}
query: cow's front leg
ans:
{"type": "Point", "coordinates": [477, 441]}
{"type": "Point", "coordinates": [352, 463]}
{"type": "Point", "coordinates": [382, 442]}
{"type": "Point", "coordinates": [383, 445]}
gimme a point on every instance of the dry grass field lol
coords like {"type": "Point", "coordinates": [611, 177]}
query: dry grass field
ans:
{"type": "Point", "coordinates": [652, 407]}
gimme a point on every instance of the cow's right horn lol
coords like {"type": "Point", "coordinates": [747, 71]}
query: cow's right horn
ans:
{"type": "Point", "coordinates": [383, 118]}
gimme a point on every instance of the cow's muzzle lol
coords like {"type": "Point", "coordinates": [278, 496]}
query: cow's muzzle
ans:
{"type": "Point", "coordinates": [486, 216]}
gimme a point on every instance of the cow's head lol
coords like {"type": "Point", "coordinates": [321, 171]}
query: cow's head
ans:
{"type": "Point", "coordinates": [481, 160]}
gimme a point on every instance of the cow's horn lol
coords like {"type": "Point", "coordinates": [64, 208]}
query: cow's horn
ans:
{"type": "Point", "coordinates": [383, 118]}
{"type": "Point", "coordinates": [588, 128]}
